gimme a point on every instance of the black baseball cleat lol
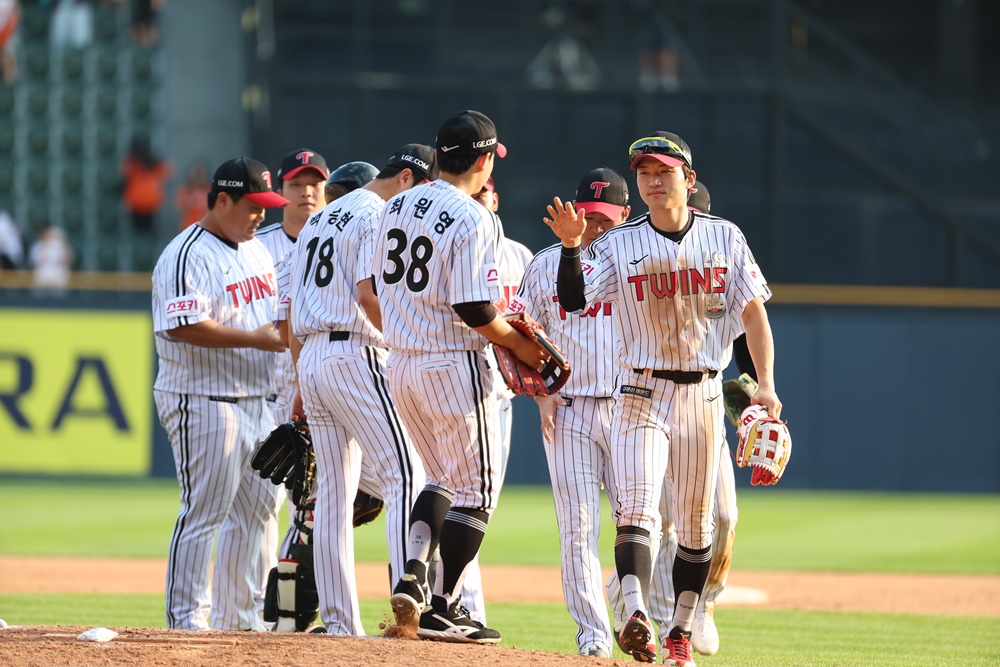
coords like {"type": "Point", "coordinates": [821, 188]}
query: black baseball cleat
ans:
{"type": "Point", "coordinates": [408, 601]}
{"type": "Point", "coordinates": [455, 625]}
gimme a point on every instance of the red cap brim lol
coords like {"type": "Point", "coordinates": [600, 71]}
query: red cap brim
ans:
{"type": "Point", "coordinates": [611, 210]}
{"type": "Point", "coordinates": [292, 173]}
{"type": "Point", "coordinates": [668, 160]}
{"type": "Point", "coordinates": [501, 150]}
{"type": "Point", "coordinates": [267, 199]}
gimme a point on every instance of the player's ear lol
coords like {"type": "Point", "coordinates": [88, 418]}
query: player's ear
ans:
{"type": "Point", "coordinates": [625, 213]}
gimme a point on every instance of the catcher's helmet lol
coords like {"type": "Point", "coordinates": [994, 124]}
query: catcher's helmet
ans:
{"type": "Point", "coordinates": [348, 177]}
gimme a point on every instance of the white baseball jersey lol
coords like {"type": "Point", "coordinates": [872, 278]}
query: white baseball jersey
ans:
{"type": "Point", "coordinates": [435, 247]}
{"type": "Point", "coordinates": [696, 290]}
{"type": "Point", "coordinates": [200, 277]}
{"type": "Point", "coordinates": [328, 254]}
{"type": "Point", "coordinates": [588, 338]}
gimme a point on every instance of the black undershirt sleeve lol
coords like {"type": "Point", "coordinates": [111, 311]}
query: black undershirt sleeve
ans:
{"type": "Point", "coordinates": [741, 352]}
{"type": "Point", "coordinates": [569, 280]}
{"type": "Point", "coordinates": [475, 313]}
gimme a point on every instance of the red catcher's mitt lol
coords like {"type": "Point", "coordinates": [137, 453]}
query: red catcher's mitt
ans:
{"type": "Point", "coordinates": [522, 379]}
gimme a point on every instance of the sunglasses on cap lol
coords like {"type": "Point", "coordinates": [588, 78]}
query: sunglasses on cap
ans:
{"type": "Point", "coordinates": [648, 145]}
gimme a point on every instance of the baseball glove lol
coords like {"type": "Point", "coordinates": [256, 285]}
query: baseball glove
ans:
{"type": "Point", "coordinates": [521, 378]}
{"type": "Point", "coordinates": [286, 457]}
{"type": "Point", "coordinates": [366, 508]}
{"type": "Point", "coordinates": [764, 444]}
{"type": "Point", "coordinates": [736, 396]}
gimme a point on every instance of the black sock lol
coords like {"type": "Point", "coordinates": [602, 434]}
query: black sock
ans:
{"type": "Point", "coordinates": [632, 557]}
{"type": "Point", "coordinates": [430, 507]}
{"type": "Point", "coordinates": [691, 568]}
{"type": "Point", "coordinates": [461, 536]}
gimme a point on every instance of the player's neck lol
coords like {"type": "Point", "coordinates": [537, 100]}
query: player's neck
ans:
{"type": "Point", "coordinates": [293, 227]}
{"type": "Point", "coordinates": [467, 182]}
{"type": "Point", "coordinates": [670, 219]}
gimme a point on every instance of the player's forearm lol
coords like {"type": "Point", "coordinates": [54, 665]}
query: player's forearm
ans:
{"type": "Point", "coordinates": [569, 280]}
{"type": "Point", "coordinates": [369, 302]}
{"type": "Point", "coordinates": [760, 342]}
{"type": "Point", "coordinates": [210, 333]}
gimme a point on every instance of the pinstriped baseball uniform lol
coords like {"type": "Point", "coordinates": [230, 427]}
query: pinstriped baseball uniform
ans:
{"type": "Point", "coordinates": [695, 291]}
{"type": "Point", "coordinates": [346, 397]}
{"type": "Point", "coordinates": [579, 454]}
{"type": "Point", "coordinates": [211, 403]}
{"type": "Point", "coordinates": [435, 247]}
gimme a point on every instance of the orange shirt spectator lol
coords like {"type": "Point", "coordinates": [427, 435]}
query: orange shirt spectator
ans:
{"type": "Point", "coordinates": [145, 178]}
{"type": "Point", "coordinates": [191, 199]}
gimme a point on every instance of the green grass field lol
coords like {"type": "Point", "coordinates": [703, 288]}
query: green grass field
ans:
{"type": "Point", "coordinates": [778, 530]}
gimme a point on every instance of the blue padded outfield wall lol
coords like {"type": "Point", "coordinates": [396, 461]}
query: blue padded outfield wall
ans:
{"type": "Point", "coordinates": [879, 398]}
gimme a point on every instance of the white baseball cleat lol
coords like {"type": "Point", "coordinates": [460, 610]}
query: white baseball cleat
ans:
{"type": "Point", "coordinates": [704, 634]}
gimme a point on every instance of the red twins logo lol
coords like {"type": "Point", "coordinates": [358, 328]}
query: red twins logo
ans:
{"type": "Point", "coordinates": [267, 178]}
{"type": "Point", "coordinates": [597, 186]}
{"type": "Point", "coordinates": [304, 156]}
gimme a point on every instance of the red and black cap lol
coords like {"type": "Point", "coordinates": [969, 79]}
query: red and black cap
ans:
{"type": "Point", "coordinates": [468, 134]}
{"type": "Point", "coordinates": [602, 190]}
{"type": "Point", "coordinates": [666, 147]}
{"type": "Point", "coordinates": [299, 160]}
{"type": "Point", "coordinates": [490, 185]}
{"type": "Point", "coordinates": [247, 177]}
{"type": "Point", "coordinates": [699, 199]}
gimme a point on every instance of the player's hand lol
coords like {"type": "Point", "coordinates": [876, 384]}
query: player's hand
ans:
{"type": "Point", "coordinates": [765, 396]}
{"type": "Point", "coordinates": [547, 411]}
{"type": "Point", "coordinates": [566, 222]}
{"type": "Point", "coordinates": [528, 352]}
{"type": "Point", "coordinates": [298, 412]}
{"type": "Point", "coordinates": [266, 338]}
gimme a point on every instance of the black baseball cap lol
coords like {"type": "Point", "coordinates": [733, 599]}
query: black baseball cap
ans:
{"type": "Point", "coordinates": [602, 190]}
{"type": "Point", "coordinates": [418, 158]}
{"type": "Point", "coordinates": [699, 199]}
{"type": "Point", "coordinates": [666, 147]}
{"type": "Point", "coordinates": [247, 177]}
{"type": "Point", "coordinates": [301, 159]}
{"type": "Point", "coordinates": [468, 134]}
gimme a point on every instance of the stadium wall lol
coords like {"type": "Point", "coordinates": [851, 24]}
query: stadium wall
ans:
{"type": "Point", "coordinates": [877, 397]}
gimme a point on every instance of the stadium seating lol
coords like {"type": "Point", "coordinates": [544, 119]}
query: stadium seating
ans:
{"type": "Point", "coordinates": [66, 123]}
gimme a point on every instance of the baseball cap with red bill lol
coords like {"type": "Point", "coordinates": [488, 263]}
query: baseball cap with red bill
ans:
{"type": "Point", "coordinates": [468, 134]}
{"type": "Point", "coordinates": [300, 160]}
{"type": "Point", "coordinates": [247, 177]}
{"type": "Point", "coordinates": [602, 190]}
{"type": "Point", "coordinates": [699, 199]}
{"type": "Point", "coordinates": [666, 147]}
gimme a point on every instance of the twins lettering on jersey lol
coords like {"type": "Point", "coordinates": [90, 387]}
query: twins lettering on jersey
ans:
{"type": "Point", "coordinates": [597, 309]}
{"type": "Point", "coordinates": [711, 279]}
{"type": "Point", "coordinates": [251, 289]}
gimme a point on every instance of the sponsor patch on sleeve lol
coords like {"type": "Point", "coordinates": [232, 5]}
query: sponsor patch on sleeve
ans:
{"type": "Point", "coordinates": [516, 305]}
{"type": "Point", "coordinates": [182, 306]}
{"type": "Point", "coordinates": [756, 276]}
{"type": "Point", "coordinates": [587, 267]}
{"type": "Point", "coordinates": [492, 273]}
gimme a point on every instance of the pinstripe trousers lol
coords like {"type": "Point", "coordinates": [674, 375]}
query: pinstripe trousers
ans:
{"type": "Point", "coordinates": [220, 493]}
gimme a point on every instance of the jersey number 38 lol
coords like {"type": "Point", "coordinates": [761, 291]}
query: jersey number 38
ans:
{"type": "Point", "coordinates": [414, 266]}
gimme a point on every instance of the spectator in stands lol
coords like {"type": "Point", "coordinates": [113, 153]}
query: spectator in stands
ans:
{"type": "Point", "coordinates": [11, 247]}
{"type": "Point", "coordinates": [10, 18]}
{"type": "Point", "coordinates": [51, 259]}
{"type": "Point", "coordinates": [658, 59]}
{"type": "Point", "coordinates": [144, 12]}
{"type": "Point", "coordinates": [144, 177]}
{"type": "Point", "coordinates": [72, 24]}
{"type": "Point", "coordinates": [191, 198]}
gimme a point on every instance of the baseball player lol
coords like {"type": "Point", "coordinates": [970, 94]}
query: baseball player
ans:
{"type": "Point", "coordinates": [704, 634]}
{"type": "Point", "coordinates": [214, 299]}
{"type": "Point", "coordinates": [436, 262]}
{"type": "Point", "coordinates": [301, 177]}
{"type": "Point", "coordinates": [343, 385]}
{"type": "Point", "coordinates": [685, 284]}
{"type": "Point", "coordinates": [348, 178]}
{"type": "Point", "coordinates": [515, 258]}
{"type": "Point", "coordinates": [576, 424]}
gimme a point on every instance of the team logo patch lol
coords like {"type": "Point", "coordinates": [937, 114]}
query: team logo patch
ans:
{"type": "Point", "coordinates": [587, 268]}
{"type": "Point", "coordinates": [715, 307]}
{"type": "Point", "coordinates": [492, 273]}
{"type": "Point", "coordinates": [631, 390]}
{"type": "Point", "coordinates": [182, 306]}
